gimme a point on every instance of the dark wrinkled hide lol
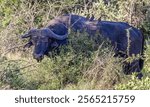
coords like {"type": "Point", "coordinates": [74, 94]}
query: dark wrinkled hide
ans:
{"type": "Point", "coordinates": [61, 24]}
{"type": "Point", "coordinates": [115, 31]}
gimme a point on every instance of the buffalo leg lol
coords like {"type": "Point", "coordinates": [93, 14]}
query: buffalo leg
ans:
{"type": "Point", "coordinates": [135, 67]}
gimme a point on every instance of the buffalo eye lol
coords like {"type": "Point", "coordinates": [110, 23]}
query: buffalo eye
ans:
{"type": "Point", "coordinates": [44, 39]}
{"type": "Point", "coordinates": [34, 40]}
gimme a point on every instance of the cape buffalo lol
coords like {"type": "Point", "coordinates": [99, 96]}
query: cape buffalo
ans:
{"type": "Point", "coordinates": [126, 39]}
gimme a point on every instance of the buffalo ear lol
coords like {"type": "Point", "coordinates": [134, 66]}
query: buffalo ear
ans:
{"type": "Point", "coordinates": [26, 35]}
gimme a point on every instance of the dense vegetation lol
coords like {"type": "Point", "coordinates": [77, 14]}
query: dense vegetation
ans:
{"type": "Point", "coordinates": [84, 63]}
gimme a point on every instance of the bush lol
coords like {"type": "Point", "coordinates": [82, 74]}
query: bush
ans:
{"type": "Point", "coordinates": [135, 84]}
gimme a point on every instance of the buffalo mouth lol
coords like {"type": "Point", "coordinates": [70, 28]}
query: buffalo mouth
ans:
{"type": "Point", "coordinates": [38, 57]}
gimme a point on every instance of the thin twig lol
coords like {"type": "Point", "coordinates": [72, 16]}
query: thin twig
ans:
{"type": "Point", "coordinates": [8, 50]}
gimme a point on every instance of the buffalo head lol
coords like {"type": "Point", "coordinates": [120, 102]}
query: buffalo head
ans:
{"type": "Point", "coordinates": [42, 40]}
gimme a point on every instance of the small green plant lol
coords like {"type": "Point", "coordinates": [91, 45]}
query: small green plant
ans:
{"type": "Point", "coordinates": [135, 84]}
{"type": "Point", "coordinates": [10, 75]}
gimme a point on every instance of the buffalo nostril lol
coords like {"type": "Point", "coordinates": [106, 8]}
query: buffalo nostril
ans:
{"type": "Point", "coordinates": [38, 57]}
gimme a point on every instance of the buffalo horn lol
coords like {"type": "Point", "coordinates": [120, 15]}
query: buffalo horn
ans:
{"type": "Point", "coordinates": [51, 34]}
